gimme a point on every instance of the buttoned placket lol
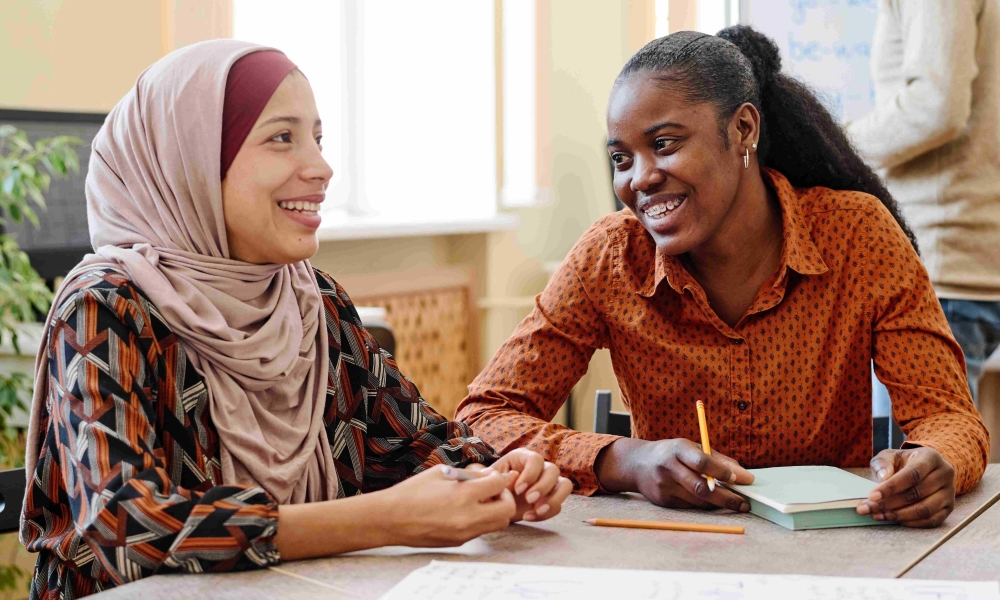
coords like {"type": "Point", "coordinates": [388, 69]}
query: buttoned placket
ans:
{"type": "Point", "coordinates": [740, 366]}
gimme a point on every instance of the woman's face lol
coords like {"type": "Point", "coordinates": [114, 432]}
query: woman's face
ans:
{"type": "Point", "coordinates": [672, 166]}
{"type": "Point", "coordinates": [272, 191]}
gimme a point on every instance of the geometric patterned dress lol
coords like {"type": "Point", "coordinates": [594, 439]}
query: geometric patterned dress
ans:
{"type": "Point", "coordinates": [129, 484]}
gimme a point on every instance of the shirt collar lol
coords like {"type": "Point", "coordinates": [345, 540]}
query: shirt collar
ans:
{"type": "Point", "coordinates": [798, 253]}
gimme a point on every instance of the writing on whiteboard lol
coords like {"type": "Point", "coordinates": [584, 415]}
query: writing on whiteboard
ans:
{"type": "Point", "coordinates": [800, 50]}
{"type": "Point", "coordinates": [825, 43]}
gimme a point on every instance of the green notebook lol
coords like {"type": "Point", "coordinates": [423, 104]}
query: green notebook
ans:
{"type": "Point", "coordinates": [808, 497]}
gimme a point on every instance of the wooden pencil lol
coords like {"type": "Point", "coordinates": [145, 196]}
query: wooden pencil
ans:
{"type": "Point", "coordinates": [705, 446]}
{"type": "Point", "coordinates": [667, 526]}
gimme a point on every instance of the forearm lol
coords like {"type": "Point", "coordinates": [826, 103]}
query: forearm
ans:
{"type": "Point", "coordinates": [961, 439]}
{"type": "Point", "coordinates": [902, 131]}
{"type": "Point", "coordinates": [333, 527]}
{"type": "Point", "coordinates": [617, 466]}
{"type": "Point", "coordinates": [226, 528]}
{"type": "Point", "coordinates": [506, 428]}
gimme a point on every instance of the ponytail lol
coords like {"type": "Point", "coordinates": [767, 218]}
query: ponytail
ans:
{"type": "Point", "coordinates": [798, 136]}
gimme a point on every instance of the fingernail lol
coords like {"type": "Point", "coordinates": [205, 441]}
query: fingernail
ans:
{"type": "Point", "coordinates": [878, 517]}
{"type": "Point", "coordinates": [530, 516]}
{"type": "Point", "coordinates": [882, 474]}
{"type": "Point", "coordinates": [542, 509]}
{"type": "Point", "coordinates": [875, 496]}
{"type": "Point", "coordinates": [732, 477]}
{"type": "Point", "coordinates": [446, 470]}
{"type": "Point", "coordinates": [744, 507]}
{"type": "Point", "coordinates": [533, 496]}
{"type": "Point", "coordinates": [864, 508]}
{"type": "Point", "coordinates": [520, 489]}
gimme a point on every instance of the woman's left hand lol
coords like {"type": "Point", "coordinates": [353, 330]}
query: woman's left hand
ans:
{"type": "Point", "coordinates": [537, 488]}
{"type": "Point", "coordinates": [917, 488]}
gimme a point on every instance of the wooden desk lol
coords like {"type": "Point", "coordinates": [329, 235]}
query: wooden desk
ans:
{"type": "Point", "coordinates": [567, 541]}
{"type": "Point", "coordinates": [974, 552]}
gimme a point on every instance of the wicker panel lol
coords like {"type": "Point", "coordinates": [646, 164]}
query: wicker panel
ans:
{"type": "Point", "coordinates": [434, 345]}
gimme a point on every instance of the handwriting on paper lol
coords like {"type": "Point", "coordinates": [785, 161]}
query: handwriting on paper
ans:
{"type": "Point", "coordinates": [492, 581]}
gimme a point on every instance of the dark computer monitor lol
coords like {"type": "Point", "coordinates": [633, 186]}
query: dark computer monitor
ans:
{"type": "Point", "coordinates": [62, 237]}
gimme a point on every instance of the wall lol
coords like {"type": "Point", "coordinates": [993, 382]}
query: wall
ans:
{"type": "Point", "coordinates": [83, 55]}
{"type": "Point", "coordinates": [588, 42]}
{"type": "Point", "coordinates": [360, 257]}
{"type": "Point", "coordinates": [79, 55]}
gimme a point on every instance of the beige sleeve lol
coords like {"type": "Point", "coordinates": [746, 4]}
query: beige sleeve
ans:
{"type": "Point", "coordinates": [939, 66]}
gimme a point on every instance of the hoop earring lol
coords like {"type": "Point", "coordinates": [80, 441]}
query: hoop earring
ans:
{"type": "Point", "coordinates": [746, 158]}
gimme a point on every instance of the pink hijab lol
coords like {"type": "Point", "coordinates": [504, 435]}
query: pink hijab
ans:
{"type": "Point", "coordinates": [256, 333]}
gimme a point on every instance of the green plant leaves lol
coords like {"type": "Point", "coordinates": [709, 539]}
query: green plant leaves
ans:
{"type": "Point", "coordinates": [26, 170]}
{"type": "Point", "coordinates": [20, 176]}
{"type": "Point", "coordinates": [9, 576]}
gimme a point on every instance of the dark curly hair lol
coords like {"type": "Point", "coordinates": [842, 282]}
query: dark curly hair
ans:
{"type": "Point", "coordinates": [798, 135]}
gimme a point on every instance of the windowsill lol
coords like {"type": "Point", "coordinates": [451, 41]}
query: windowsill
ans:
{"type": "Point", "coordinates": [359, 228]}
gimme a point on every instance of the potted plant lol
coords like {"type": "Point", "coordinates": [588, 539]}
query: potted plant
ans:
{"type": "Point", "coordinates": [26, 169]}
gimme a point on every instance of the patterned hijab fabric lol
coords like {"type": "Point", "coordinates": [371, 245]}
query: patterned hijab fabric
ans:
{"type": "Point", "coordinates": [256, 333]}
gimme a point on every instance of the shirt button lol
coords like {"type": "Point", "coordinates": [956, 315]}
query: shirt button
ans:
{"type": "Point", "coordinates": [737, 341]}
{"type": "Point", "coordinates": [742, 404]}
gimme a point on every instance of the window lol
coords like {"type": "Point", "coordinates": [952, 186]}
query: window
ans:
{"type": "Point", "coordinates": [706, 16]}
{"type": "Point", "coordinates": [714, 15]}
{"type": "Point", "coordinates": [407, 94]}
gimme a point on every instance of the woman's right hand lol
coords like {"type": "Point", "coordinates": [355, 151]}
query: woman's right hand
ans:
{"type": "Point", "coordinates": [669, 473]}
{"type": "Point", "coordinates": [435, 512]}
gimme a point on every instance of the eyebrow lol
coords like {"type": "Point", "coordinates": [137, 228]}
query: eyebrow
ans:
{"type": "Point", "coordinates": [649, 130]}
{"type": "Point", "coordinates": [292, 120]}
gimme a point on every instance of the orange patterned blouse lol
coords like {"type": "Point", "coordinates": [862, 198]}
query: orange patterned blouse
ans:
{"type": "Point", "coordinates": [790, 384]}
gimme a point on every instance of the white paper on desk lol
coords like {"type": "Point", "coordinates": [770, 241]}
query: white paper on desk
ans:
{"type": "Point", "coordinates": [493, 581]}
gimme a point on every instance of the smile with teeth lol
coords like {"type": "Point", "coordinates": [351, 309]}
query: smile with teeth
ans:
{"type": "Point", "coordinates": [662, 208]}
{"type": "Point", "coordinates": [306, 207]}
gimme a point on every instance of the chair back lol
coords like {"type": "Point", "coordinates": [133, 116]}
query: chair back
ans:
{"type": "Point", "coordinates": [12, 489]}
{"type": "Point", "coordinates": [610, 421]}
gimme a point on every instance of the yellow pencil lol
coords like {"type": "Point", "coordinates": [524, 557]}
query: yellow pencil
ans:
{"type": "Point", "coordinates": [705, 446]}
{"type": "Point", "coordinates": [699, 527]}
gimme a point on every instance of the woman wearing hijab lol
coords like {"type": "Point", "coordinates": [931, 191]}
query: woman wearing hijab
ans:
{"type": "Point", "coordinates": [205, 400]}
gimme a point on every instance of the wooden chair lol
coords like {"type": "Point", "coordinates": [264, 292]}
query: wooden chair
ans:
{"type": "Point", "coordinates": [373, 319]}
{"type": "Point", "coordinates": [610, 421]}
{"type": "Point", "coordinates": [885, 432]}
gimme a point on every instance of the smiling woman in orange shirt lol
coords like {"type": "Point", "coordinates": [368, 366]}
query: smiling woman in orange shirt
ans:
{"type": "Point", "coordinates": [760, 267]}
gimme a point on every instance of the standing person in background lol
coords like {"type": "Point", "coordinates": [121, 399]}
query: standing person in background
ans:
{"type": "Point", "coordinates": [936, 134]}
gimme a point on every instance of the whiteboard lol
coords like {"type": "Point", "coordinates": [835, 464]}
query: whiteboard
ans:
{"type": "Point", "coordinates": [824, 43]}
